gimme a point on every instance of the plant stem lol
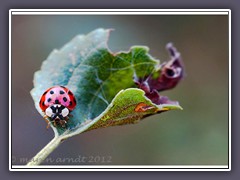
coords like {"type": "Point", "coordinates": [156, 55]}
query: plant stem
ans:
{"type": "Point", "coordinates": [42, 155]}
{"type": "Point", "coordinates": [53, 144]}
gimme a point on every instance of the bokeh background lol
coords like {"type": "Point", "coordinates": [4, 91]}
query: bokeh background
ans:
{"type": "Point", "coordinates": [198, 135]}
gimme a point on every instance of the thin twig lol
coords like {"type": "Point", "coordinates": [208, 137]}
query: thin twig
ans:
{"type": "Point", "coordinates": [43, 154]}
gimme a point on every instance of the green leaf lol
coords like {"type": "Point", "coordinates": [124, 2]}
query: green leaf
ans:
{"type": "Point", "coordinates": [128, 107]}
{"type": "Point", "coordinates": [101, 81]}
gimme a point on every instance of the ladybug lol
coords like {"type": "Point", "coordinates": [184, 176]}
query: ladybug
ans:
{"type": "Point", "coordinates": [57, 102]}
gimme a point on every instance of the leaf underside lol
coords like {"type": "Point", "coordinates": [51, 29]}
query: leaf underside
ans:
{"type": "Point", "coordinates": [101, 81]}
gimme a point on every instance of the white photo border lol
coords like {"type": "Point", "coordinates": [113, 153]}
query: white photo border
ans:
{"type": "Point", "coordinates": [227, 12]}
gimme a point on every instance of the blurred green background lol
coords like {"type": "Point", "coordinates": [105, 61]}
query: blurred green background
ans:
{"type": "Point", "coordinates": [198, 135]}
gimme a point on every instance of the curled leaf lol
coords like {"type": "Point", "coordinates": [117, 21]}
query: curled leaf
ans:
{"type": "Point", "coordinates": [167, 77]}
{"type": "Point", "coordinates": [171, 72]}
{"type": "Point", "coordinates": [102, 83]}
{"type": "Point", "coordinates": [128, 107]}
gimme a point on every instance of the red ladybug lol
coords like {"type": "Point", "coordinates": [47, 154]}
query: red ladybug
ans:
{"type": "Point", "coordinates": [57, 102]}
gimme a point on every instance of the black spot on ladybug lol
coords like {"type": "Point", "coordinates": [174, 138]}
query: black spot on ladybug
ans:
{"type": "Point", "coordinates": [56, 101]}
{"type": "Point", "coordinates": [43, 103]}
{"type": "Point", "coordinates": [45, 93]}
{"type": "Point", "coordinates": [74, 100]}
{"type": "Point", "coordinates": [70, 93]}
{"type": "Point", "coordinates": [70, 103]}
{"type": "Point", "coordinates": [62, 87]}
{"type": "Point", "coordinates": [51, 92]}
{"type": "Point", "coordinates": [61, 92]}
{"type": "Point", "coordinates": [49, 99]}
{"type": "Point", "coordinates": [64, 99]}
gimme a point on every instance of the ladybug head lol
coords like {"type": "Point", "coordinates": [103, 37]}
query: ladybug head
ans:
{"type": "Point", "coordinates": [57, 111]}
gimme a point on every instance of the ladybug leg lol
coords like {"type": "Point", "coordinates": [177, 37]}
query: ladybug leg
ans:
{"type": "Point", "coordinates": [63, 123]}
{"type": "Point", "coordinates": [54, 123]}
{"type": "Point", "coordinates": [47, 121]}
{"type": "Point", "coordinates": [70, 115]}
{"type": "Point", "coordinates": [66, 119]}
{"type": "Point", "coordinates": [48, 125]}
{"type": "Point", "coordinates": [45, 118]}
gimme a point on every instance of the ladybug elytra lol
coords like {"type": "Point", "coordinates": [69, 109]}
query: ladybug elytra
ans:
{"type": "Point", "coordinates": [57, 102]}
